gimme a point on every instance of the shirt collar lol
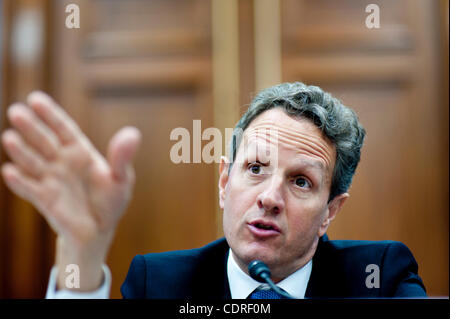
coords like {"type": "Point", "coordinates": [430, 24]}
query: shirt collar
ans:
{"type": "Point", "coordinates": [242, 285]}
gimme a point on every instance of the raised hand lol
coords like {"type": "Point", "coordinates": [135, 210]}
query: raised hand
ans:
{"type": "Point", "coordinates": [81, 194]}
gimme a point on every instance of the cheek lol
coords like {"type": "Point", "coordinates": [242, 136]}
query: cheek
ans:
{"type": "Point", "coordinates": [238, 200]}
{"type": "Point", "coordinates": [304, 219]}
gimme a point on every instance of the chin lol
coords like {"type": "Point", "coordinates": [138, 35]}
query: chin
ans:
{"type": "Point", "coordinates": [258, 252]}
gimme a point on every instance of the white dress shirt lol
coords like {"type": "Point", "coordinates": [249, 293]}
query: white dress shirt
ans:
{"type": "Point", "coordinates": [100, 293]}
{"type": "Point", "coordinates": [242, 285]}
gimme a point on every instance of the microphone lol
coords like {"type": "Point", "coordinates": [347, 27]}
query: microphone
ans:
{"type": "Point", "coordinates": [261, 272]}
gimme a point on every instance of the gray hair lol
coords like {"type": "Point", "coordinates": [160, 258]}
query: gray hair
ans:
{"type": "Point", "coordinates": [338, 122]}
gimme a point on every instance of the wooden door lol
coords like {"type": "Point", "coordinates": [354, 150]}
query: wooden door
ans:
{"type": "Point", "coordinates": [147, 64]}
{"type": "Point", "coordinates": [393, 77]}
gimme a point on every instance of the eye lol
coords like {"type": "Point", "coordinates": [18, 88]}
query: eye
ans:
{"type": "Point", "coordinates": [302, 182]}
{"type": "Point", "coordinates": [255, 168]}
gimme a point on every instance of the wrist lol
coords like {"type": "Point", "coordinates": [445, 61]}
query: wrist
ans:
{"type": "Point", "coordinates": [80, 266]}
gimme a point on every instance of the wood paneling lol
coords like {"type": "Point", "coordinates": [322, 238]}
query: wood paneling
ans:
{"type": "Point", "coordinates": [390, 76]}
{"type": "Point", "coordinates": [150, 64]}
{"type": "Point", "coordinates": [246, 54]}
{"type": "Point", "coordinates": [147, 64]}
{"type": "Point", "coordinates": [267, 43]}
{"type": "Point", "coordinates": [226, 77]}
{"type": "Point", "coordinates": [4, 27]}
{"type": "Point", "coordinates": [23, 229]}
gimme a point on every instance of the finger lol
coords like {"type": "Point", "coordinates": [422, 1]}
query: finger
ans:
{"type": "Point", "coordinates": [33, 130]}
{"type": "Point", "coordinates": [121, 151]}
{"type": "Point", "coordinates": [62, 124]}
{"type": "Point", "coordinates": [19, 183]}
{"type": "Point", "coordinates": [54, 116]}
{"type": "Point", "coordinates": [21, 154]}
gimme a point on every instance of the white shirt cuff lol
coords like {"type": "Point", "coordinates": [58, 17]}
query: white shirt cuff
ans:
{"type": "Point", "coordinates": [100, 293]}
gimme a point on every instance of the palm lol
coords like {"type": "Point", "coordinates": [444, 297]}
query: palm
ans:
{"type": "Point", "coordinates": [95, 199]}
{"type": "Point", "coordinates": [56, 168]}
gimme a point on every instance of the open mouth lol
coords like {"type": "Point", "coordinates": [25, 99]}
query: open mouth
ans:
{"type": "Point", "coordinates": [263, 228]}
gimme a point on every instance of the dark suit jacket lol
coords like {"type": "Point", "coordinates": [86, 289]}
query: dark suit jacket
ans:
{"type": "Point", "coordinates": [339, 271]}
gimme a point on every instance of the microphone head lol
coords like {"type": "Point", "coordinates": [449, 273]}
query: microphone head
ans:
{"type": "Point", "coordinates": [258, 270]}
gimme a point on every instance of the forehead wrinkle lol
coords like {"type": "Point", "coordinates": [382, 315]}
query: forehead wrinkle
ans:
{"type": "Point", "coordinates": [313, 146]}
{"type": "Point", "coordinates": [271, 126]}
{"type": "Point", "coordinates": [279, 130]}
{"type": "Point", "coordinates": [253, 137]}
{"type": "Point", "coordinates": [291, 137]}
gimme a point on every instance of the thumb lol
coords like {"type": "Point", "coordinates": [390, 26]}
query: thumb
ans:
{"type": "Point", "coordinates": [121, 150]}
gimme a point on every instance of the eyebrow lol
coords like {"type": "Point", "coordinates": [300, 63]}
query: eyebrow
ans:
{"type": "Point", "coordinates": [302, 162]}
{"type": "Point", "coordinates": [317, 165]}
{"type": "Point", "coordinates": [318, 173]}
{"type": "Point", "coordinates": [311, 163]}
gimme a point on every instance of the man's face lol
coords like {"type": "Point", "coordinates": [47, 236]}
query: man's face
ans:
{"type": "Point", "coordinates": [275, 199]}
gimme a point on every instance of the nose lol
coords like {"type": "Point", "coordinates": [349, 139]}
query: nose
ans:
{"type": "Point", "coordinates": [271, 199]}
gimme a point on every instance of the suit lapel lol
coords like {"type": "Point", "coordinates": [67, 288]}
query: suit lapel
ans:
{"type": "Point", "coordinates": [328, 279]}
{"type": "Point", "coordinates": [320, 283]}
{"type": "Point", "coordinates": [226, 293]}
{"type": "Point", "coordinates": [207, 284]}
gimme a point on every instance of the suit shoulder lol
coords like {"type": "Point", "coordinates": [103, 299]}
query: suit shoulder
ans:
{"type": "Point", "coordinates": [364, 247]}
{"type": "Point", "coordinates": [356, 255]}
{"type": "Point", "coordinates": [362, 244]}
{"type": "Point", "coordinates": [173, 274]}
{"type": "Point", "coordinates": [383, 248]}
{"type": "Point", "coordinates": [187, 255]}
{"type": "Point", "coordinates": [396, 263]}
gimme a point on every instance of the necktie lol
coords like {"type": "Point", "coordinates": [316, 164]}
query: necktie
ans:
{"type": "Point", "coordinates": [263, 292]}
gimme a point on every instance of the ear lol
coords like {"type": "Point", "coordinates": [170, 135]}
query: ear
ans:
{"type": "Point", "coordinates": [223, 179]}
{"type": "Point", "coordinates": [333, 208]}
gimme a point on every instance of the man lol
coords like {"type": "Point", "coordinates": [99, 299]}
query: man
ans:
{"type": "Point", "coordinates": [285, 181]}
